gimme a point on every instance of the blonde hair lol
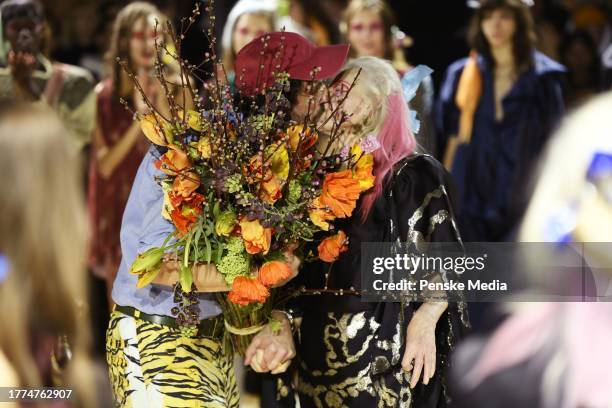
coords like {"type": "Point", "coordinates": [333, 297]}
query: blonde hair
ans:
{"type": "Point", "coordinates": [563, 174]}
{"type": "Point", "coordinates": [377, 80]}
{"type": "Point", "coordinates": [43, 235]}
{"type": "Point", "coordinates": [389, 121]}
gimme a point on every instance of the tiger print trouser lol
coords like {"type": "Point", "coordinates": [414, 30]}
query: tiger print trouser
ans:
{"type": "Point", "coordinates": [153, 366]}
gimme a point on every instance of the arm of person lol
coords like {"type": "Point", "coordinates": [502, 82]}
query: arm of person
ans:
{"type": "Point", "coordinates": [143, 227]}
{"type": "Point", "coordinates": [425, 214]}
{"type": "Point", "coordinates": [110, 157]}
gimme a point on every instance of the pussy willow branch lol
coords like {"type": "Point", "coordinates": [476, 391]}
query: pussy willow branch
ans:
{"type": "Point", "coordinates": [333, 136]}
{"type": "Point", "coordinates": [159, 68]}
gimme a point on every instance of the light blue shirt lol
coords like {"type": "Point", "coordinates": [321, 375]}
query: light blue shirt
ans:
{"type": "Point", "coordinates": [143, 228]}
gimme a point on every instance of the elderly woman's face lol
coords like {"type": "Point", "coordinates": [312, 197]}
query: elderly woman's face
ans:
{"type": "Point", "coordinates": [357, 106]}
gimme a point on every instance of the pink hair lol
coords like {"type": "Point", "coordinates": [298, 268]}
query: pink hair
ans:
{"type": "Point", "coordinates": [396, 142]}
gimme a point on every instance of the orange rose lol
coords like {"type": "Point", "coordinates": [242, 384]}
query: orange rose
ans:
{"type": "Point", "coordinates": [340, 193]}
{"type": "Point", "coordinates": [173, 161]}
{"type": "Point", "coordinates": [186, 183]}
{"type": "Point", "coordinates": [274, 272]}
{"type": "Point", "coordinates": [256, 238]}
{"type": "Point", "coordinates": [331, 247]}
{"type": "Point", "coordinates": [247, 290]}
{"type": "Point", "coordinates": [320, 215]}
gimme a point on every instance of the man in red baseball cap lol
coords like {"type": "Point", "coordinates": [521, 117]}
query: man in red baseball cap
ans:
{"type": "Point", "coordinates": [259, 60]}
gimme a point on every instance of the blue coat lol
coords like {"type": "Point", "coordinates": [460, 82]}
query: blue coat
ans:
{"type": "Point", "coordinates": [493, 171]}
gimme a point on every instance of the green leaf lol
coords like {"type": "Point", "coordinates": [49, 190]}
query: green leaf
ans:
{"type": "Point", "coordinates": [219, 253]}
{"type": "Point", "coordinates": [216, 210]}
{"type": "Point", "coordinates": [275, 326]}
{"type": "Point", "coordinates": [208, 249]}
{"type": "Point", "coordinates": [186, 278]}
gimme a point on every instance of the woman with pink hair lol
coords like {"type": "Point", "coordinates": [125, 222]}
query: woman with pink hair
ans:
{"type": "Point", "coordinates": [353, 353]}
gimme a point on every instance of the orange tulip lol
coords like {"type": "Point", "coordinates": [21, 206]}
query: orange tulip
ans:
{"type": "Point", "coordinates": [271, 190]}
{"type": "Point", "coordinates": [331, 247]}
{"type": "Point", "coordinates": [185, 212]}
{"type": "Point", "coordinates": [340, 193]}
{"type": "Point", "coordinates": [256, 238]}
{"type": "Point", "coordinates": [247, 290]}
{"type": "Point", "coordinates": [274, 272]}
{"type": "Point", "coordinates": [173, 161]}
{"type": "Point", "coordinates": [186, 184]}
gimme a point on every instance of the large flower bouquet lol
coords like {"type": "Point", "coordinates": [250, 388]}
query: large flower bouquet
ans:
{"type": "Point", "coordinates": [246, 187]}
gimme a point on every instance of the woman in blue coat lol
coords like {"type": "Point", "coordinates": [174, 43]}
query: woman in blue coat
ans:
{"type": "Point", "coordinates": [495, 113]}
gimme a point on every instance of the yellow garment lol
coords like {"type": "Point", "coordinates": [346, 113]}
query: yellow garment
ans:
{"type": "Point", "coordinates": [469, 91]}
{"type": "Point", "coordinates": [154, 366]}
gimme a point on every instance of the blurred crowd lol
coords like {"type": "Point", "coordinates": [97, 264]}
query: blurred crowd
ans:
{"type": "Point", "coordinates": [64, 52]}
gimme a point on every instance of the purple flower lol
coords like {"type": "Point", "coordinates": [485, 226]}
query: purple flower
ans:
{"type": "Point", "coordinates": [369, 144]}
{"type": "Point", "coordinates": [344, 153]}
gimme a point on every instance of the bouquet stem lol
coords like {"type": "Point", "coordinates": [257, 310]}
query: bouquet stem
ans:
{"type": "Point", "coordinates": [242, 323]}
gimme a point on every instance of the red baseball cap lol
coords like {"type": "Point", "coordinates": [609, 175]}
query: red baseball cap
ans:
{"type": "Point", "coordinates": [259, 60]}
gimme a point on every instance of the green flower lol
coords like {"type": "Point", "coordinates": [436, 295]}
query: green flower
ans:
{"type": "Point", "coordinates": [235, 244]}
{"type": "Point", "coordinates": [234, 183]}
{"type": "Point", "coordinates": [295, 191]}
{"type": "Point", "coordinates": [233, 265]}
{"type": "Point", "coordinates": [226, 221]}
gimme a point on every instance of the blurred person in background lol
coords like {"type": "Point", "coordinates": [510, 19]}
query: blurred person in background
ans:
{"type": "Point", "coordinates": [591, 17]}
{"type": "Point", "coordinates": [309, 19]}
{"type": "Point", "coordinates": [30, 76]}
{"type": "Point", "coordinates": [44, 338]}
{"type": "Point", "coordinates": [247, 20]}
{"type": "Point", "coordinates": [83, 24]}
{"type": "Point", "coordinates": [496, 110]}
{"type": "Point", "coordinates": [368, 26]}
{"type": "Point", "coordinates": [579, 55]}
{"type": "Point", "coordinates": [555, 354]}
{"type": "Point", "coordinates": [118, 144]}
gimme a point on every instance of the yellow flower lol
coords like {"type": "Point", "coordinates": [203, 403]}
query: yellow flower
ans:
{"type": "Point", "coordinates": [154, 129]}
{"type": "Point", "coordinates": [193, 119]}
{"type": "Point", "coordinates": [203, 147]}
{"type": "Point", "coordinates": [167, 206]}
{"type": "Point", "coordinates": [320, 215]}
{"type": "Point", "coordinates": [278, 157]}
{"type": "Point", "coordinates": [363, 168]}
{"type": "Point", "coordinates": [296, 133]}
